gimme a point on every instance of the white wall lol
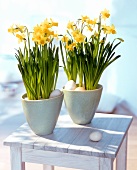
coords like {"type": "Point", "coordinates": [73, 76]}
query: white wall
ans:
{"type": "Point", "coordinates": [124, 71]}
{"type": "Point", "coordinates": [120, 78]}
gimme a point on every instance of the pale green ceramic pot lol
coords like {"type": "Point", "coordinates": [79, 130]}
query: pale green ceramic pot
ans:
{"type": "Point", "coordinates": [42, 115]}
{"type": "Point", "coordinates": [82, 105]}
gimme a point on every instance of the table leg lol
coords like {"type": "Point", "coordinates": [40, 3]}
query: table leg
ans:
{"type": "Point", "coordinates": [16, 159]}
{"type": "Point", "coordinates": [48, 167]}
{"type": "Point", "coordinates": [105, 164]}
{"type": "Point", "coordinates": [121, 159]}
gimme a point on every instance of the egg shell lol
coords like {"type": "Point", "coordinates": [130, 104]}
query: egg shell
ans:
{"type": "Point", "coordinates": [70, 85]}
{"type": "Point", "coordinates": [80, 89]}
{"type": "Point", "coordinates": [95, 136]}
{"type": "Point", "coordinates": [55, 93]}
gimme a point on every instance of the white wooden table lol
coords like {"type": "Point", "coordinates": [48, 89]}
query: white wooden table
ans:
{"type": "Point", "coordinates": [69, 145]}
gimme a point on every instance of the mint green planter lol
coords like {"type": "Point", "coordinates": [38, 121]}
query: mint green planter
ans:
{"type": "Point", "coordinates": [42, 115]}
{"type": "Point", "coordinates": [82, 105]}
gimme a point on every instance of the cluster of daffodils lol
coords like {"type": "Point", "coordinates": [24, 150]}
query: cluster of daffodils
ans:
{"type": "Point", "coordinates": [38, 61]}
{"type": "Point", "coordinates": [87, 51]}
{"type": "Point", "coordinates": [19, 31]}
{"type": "Point", "coordinates": [85, 28]}
{"type": "Point", "coordinates": [42, 33]}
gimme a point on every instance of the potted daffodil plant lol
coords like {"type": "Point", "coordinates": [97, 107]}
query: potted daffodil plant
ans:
{"type": "Point", "coordinates": [38, 63]}
{"type": "Point", "coordinates": [86, 53]}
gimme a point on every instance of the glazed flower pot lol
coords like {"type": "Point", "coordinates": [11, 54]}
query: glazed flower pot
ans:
{"type": "Point", "coordinates": [42, 115]}
{"type": "Point", "coordinates": [82, 105]}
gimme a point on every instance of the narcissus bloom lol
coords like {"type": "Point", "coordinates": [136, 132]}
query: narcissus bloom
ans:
{"type": "Point", "coordinates": [92, 22]}
{"type": "Point", "coordinates": [37, 28]}
{"type": "Point", "coordinates": [85, 18]}
{"type": "Point", "coordinates": [53, 23]}
{"type": "Point", "coordinates": [105, 14]}
{"type": "Point", "coordinates": [112, 29]}
{"type": "Point", "coordinates": [12, 29]}
{"type": "Point", "coordinates": [109, 29]}
{"type": "Point", "coordinates": [65, 39]}
{"type": "Point", "coordinates": [46, 23]}
{"type": "Point", "coordinates": [70, 47]}
{"type": "Point", "coordinates": [78, 36]}
{"type": "Point", "coordinates": [21, 28]}
{"type": "Point", "coordinates": [70, 25]}
{"type": "Point", "coordinates": [17, 28]}
{"type": "Point", "coordinates": [90, 28]}
{"type": "Point", "coordinates": [21, 37]}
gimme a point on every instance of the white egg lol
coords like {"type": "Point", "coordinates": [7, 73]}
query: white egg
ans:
{"type": "Point", "coordinates": [80, 89]}
{"type": "Point", "coordinates": [55, 93]}
{"type": "Point", "coordinates": [95, 136]}
{"type": "Point", "coordinates": [70, 85]}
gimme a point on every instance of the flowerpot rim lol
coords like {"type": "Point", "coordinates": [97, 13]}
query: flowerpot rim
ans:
{"type": "Point", "coordinates": [25, 95]}
{"type": "Point", "coordinates": [84, 91]}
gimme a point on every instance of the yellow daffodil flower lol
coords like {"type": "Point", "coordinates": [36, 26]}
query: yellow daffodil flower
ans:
{"type": "Point", "coordinates": [46, 23]}
{"type": "Point", "coordinates": [112, 29]}
{"type": "Point", "coordinates": [70, 47]}
{"type": "Point", "coordinates": [37, 29]}
{"type": "Point", "coordinates": [104, 27]}
{"type": "Point", "coordinates": [75, 33]}
{"type": "Point", "coordinates": [79, 38]}
{"type": "Point", "coordinates": [65, 39]}
{"type": "Point", "coordinates": [42, 41]}
{"type": "Point", "coordinates": [92, 22]}
{"type": "Point", "coordinates": [13, 29]}
{"type": "Point", "coordinates": [36, 37]}
{"type": "Point", "coordinates": [90, 28]}
{"type": "Point", "coordinates": [85, 18]}
{"type": "Point", "coordinates": [51, 33]}
{"type": "Point", "coordinates": [48, 40]}
{"type": "Point", "coordinates": [53, 23]}
{"type": "Point", "coordinates": [55, 36]}
{"type": "Point", "coordinates": [70, 25]}
{"type": "Point", "coordinates": [109, 29]}
{"type": "Point", "coordinates": [21, 28]}
{"type": "Point", "coordinates": [21, 37]}
{"type": "Point", "coordinates": [45, 30]}
{"type": "Point", "coordinates": [105, 14]}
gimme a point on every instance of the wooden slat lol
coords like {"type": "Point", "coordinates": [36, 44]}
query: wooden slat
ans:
{"type": "Point", "coordinates": [16, 159]}
{"type": "Point", "coordinates": [105, 164]}
{"type": "Point", "coordinates": [22, 137]}
{"type": "Point", "coordinates": [60, 159]}
{"type": "Point", "coordinates": [122, 156]}
{"type": "Point", "coordinates": [64, 134]}
{"type": "Point", "coordinates": [117, 138]}
{"type": "Point", "coordinates": [48, 167]}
